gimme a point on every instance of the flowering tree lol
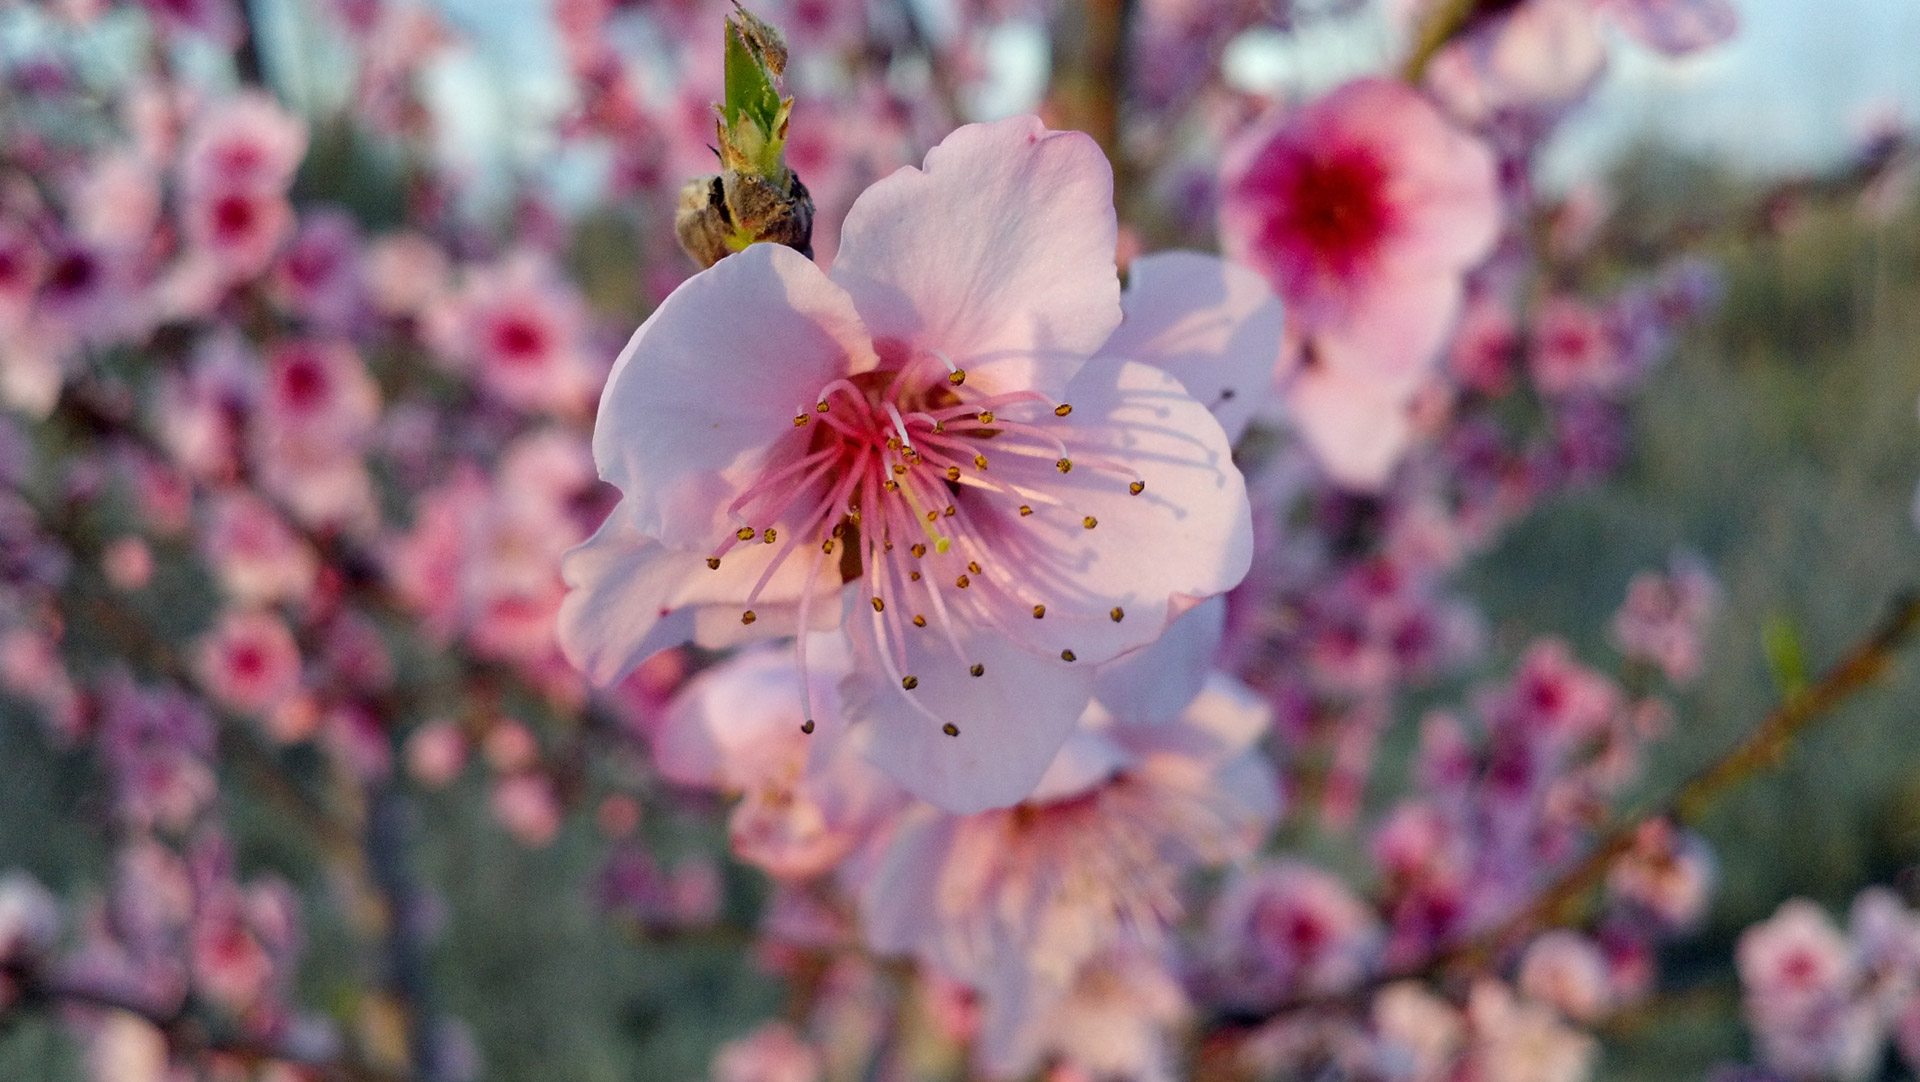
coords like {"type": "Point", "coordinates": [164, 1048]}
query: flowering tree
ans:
{"type": "Point", "coordinates": [1068, 624]}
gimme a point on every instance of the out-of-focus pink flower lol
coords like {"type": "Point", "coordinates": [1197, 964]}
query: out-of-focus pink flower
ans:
{"type": "Point", "coordinates": [29, 920]}
{"type": "Point", "coordinates": [1018, 902]}
{"type": "Point", "coordinates": [435, 753]}
{"type": "Point", "coordinates": [314, 420]}
{"type": "Point", "coordinates": [1669, 873]}
{"type": "Point", "coordinates": [218, 20]}
{"type": "Point", "coordinates": [318, 275]}
{"type": "Point", "coordinates": [1794, 958]}
{"type": "Point", "coordinates": [128, 563]}
{"type": "Point", "coordinates": [255, 555]}
{"type": "Point", "coordinates": [404, 273]}
{"type": "Point", "coordinates": [772, 1053]}
{"type": "Point", "coordinates": [243, 142]}
{"type": "Point", "coordinates": [1674, 27]}
{"type": "Point", "coordinates": [521, 329]}
{"type": "Point", "coordinates": [1665, 616]}
{"type": "Point", "coordinates": [1364, 210]}
{"type": "Point", "coordinates": [1486, 348]}
{"type": "Point", "coordinates": [1574, 351]}
{"type": "Point", "coordinates": [526, 805]}
{"type": "Point", "coordinates": [806, 799]}
{"type": "Point", "coordinates": [1421, 1032]}
{"type": "Point", "coordinates": [1514, 1040]}
{"type": "Point", "coordinates": [1567, 970]}
{"type": "Point", "coordinates": [1290, 929]}
{"type": "Point", "coordinates": [249, 662]}
{"type": "Point", "coordinates": [950, 362]}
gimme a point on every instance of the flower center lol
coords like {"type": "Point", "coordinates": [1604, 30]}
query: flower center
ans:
{"type": "Point", "coordinates": [1333, 209]}
{"type": "Point", "coordinates": [893, 478]}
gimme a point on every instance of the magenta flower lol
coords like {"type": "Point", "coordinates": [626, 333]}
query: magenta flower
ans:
{"type": "Point", "coordinates": [932, 437]}
{"type": "Point", "coordinates": [1364, 210]}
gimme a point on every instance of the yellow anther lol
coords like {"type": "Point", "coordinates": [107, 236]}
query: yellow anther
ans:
{"type": "Point", "coordinates": [950, 729]}
{"type": "Point", "coordinates": [979, 462]}
{"type": "Point", "coordinates": [744, 533]}
{"type": "Point", "coordinates": [1062, 409]}
{"type": "Point", "coordinates": [807, 726]}
{"type": "Point", "coordinates": [899, 468]}
{"type": "Point", "coordinates": [800, 420]}
{"type": "Point", "coordinates": [1065, 465]}
{"type": "Point", "coordinates": [953, 473]}
{"type": "Point", "coordinates": [932, 515]}
{"type": "Point", "coordinates": [1039, 611]}
{"type": "Point", "coordinates": [963, 582]}
{"type": "Point", "coordinates": [1089, 522]}
{"type": "Point", "coordinates": [713, 563]}
{"type": "Point", "coordinates": [919, 550]}
{"type": "Point", "coordinates": [909, 682]}
{"type": "Point", "coordinates": [893, 443]}
{"type": "Point", "coordinates": [986, 417]}
{"type": "Point", "coordinates": [1025, 510]}
{"type": "Point", "coordinates": [879, 605]}
{"type": "Point", "coordinates": [890, 485]}
{"type": "Point", "coordinates": [919, 620]}
{"type": "Point", "coordinates": [820, 406]}
{"type": "Point", "coordinates": [949, 511]}
{"type": "Point", "coordinates": [1137, 487]}
{"type": "Point", "coordinates": [973, 566]}
{"type": "Point", "coordinates": [957, 376]}
{"type": "Point", "coordinates": [978, 669]}
{"type": "Point", "coordinates": [747, 617]}
{"type": "Point", "coordinates": [1066, 655]}
{"type": "Point", "coordinates": [770, 536]}
{"type": "Point", "coordinates": [1118, 614]}
{"type": "Point", "coordinates": [827, 546]}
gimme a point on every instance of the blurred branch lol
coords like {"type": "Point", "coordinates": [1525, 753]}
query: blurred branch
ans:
{"type": "Point", "coordinates": [1089, 91]}
{"type": "Point", "coordinates": [1448, 20]}
{"type": "Point", "coordinates": [1764, 748]}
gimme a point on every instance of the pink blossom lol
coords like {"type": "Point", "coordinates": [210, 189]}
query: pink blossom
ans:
{"type": "Point", "coordinates": [805, 804]}
{"type": "Point", "coordinates": [1017, 902]}
{"type": "Point", "coordinates": [1668, 873]}
{"type": "Point", "coordinates": [29, 920]}
{"type": "Point", "coordinates": [1518, 1041]}
{"type": "Point", "coordinates": [1664, 618]}
{"type": "Point", "coordinates": [250, 662]}
{"type": "Point", "coordinates": [1674, 27]}
{"type": "Point", "coordinates": [244, 142]}
{"type": "Point", "coordinates": [404, 272]}
{"type": "Point", "coordinates": [1796, 957]}
{"type": "Point", "coordinates": [937, 368]}
{"type": "Point", "coordinates": [522, 329]}
{"type": "Point", "coordinates": [1363, 209]}
{"type": "Point", "coordinates": [315, 417]}
{"type": "Point", "coordinates": [435, 753]}
{"type": "Point", "coordinates": [1422, 1033]}
{"type": "Point", "coordinates": [1567, 970]}
{"type": "Point", "coordinates": [1574, 351]}
{"type": "Point", "coordinates": [772, 1053]}
{"type": "Point", "coordinates": [219, 20]}
{"type": "Point", "coordinates": [254, 554]}
{"type": "Point", "coordinates": [526, 805]}
{"type": "Point", "coordinates": [1290, 928]}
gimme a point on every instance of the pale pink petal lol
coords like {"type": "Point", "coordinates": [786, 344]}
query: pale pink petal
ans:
{"type": "Point", "coordinates": [999, 253]}
{"type": "Point", "coordinates": [1675, 27]}
{"type": "Point", "coordinates": [1088, 758]}
{"type": "Point", "coordinates": [630, 596]}
{"type": "Point", "coordinates": [1116, 584]}
{"type": "Point", "coordinates": [1395, 333]}
{"type": "Point", "coordinates": [1157, 681]}
{"type": "Point", "coordinates": [713, 380]}
{"type": "Point", "coordinates": [1357, 428]}
{"type": "Point", "coordinates": [1009, 721]}
{"type": "Point", "coordinates": [1213, 324]}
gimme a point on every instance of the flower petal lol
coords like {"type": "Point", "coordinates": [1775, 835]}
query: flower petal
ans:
{"type": "Point", "coordinates": [999, 253]}
{"type": "Point", "coordinates": [1675, 27]}
{"type": "Point", "coordinates": [1357, 427]}
{"type": "Point", "coordinates": [1011, 719]}
{"type": "Point", "coordinates": [711, 381]}
{"type": "Point", "coordinates": [1111, 567]}
{"type": "Point", "coordinates": [1156, 682]}
{"type": "Point", "coordinates": [628, 596]}
{"type": "Point", "coordinates": [1214, 324]}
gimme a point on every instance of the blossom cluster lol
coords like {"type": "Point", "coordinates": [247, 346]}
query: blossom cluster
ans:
{"type": "Point", "coordinates": [1032, 592]}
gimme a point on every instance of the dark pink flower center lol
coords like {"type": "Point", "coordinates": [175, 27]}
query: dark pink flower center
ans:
{"type": "Point", "coordinates": [1330, 212]}
{"type": "Point", "coordinates": [518, 340]}
{"type": "Point", "coordinates": [891, 478]}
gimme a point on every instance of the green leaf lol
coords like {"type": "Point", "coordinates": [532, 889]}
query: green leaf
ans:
{"type": "Point", "coordinates": [1780, 640]}
{"type": "Point", "coordinates": [750, 88]}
